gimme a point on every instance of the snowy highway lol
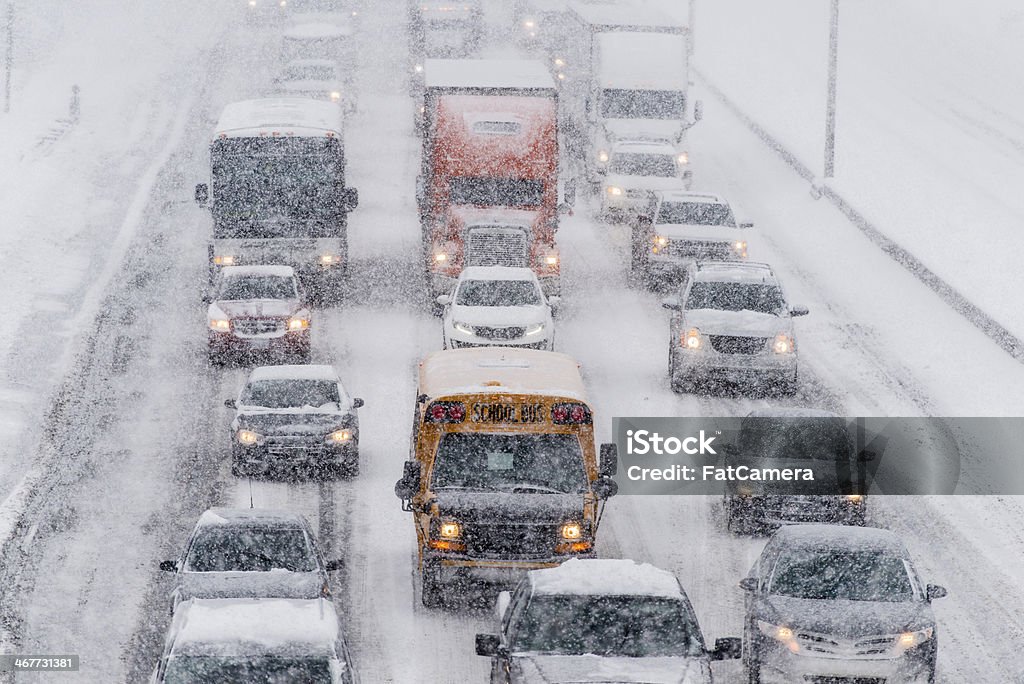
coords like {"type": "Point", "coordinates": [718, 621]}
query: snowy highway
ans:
{"type": "Point", "coordinates": [135, 444]}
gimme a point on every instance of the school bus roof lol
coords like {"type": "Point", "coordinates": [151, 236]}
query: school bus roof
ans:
{"type": "Point", "coordinates": [494, 370]}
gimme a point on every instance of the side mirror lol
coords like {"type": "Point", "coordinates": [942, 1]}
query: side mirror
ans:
{"type": "Point", "coordinates": [444, 300]}
{"type": "Point", "coordinates": [169, 566]}
{"type": "Point", "coordinates": [502, 604]}
{"type": "Point", "coordinates": [748, 584]}
{"type": "Point", "coordinates": [554, 301]}
{"type": "Point", "coordinates": [727, 648]}
{"type": "Point", "coordinates": [605, 487]}
{"type": "Point", "coordinates": [746, 224]}
{"type": "Point", "coordinates": [349, 199]}
{"type": "Point", "coordinates": [609, 460]}
{"type": "Point", "coordinates": [207, 297]}
{"type": "Point", "coordinates": [934, 591]}
{"type": "Point", "coordinates": [799, 311]}
{"type": "Point", "coordinates": [202, 194]}
{"type": "Point", "coordinates": [407, 487]}
{"type": "Point", "coordinates": [334, 565]}
{"type": "Point", "coordinates": [231, 403]}
{"type": "Point", "coordinates": [698, 111]}
{"type": "Point", "coordinates": [570, 192]}
{"type": "Point", "coordinates": [488, 644]}
{"type": "Point", "coordinates": [357, 402]}
{"type": "Point", "coordinates": [671, 303]}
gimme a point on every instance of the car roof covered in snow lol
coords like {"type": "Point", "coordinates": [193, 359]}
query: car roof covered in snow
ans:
{"type": "Point", "coordinates": [624, 17]}
{"type": "Point", "coordinates": [294, 372]}
{"type": "Point", "coordinates": [734, 272]}
{"type": "Point", "coordinates": [690, 196]}
{"type": "Point", "coordinates": [487, 74]}
{"type": "Point", "coordinates": [251, 516]}
{"type": "Point", "coordinates": [649, 61]}
{"type": "Point", "coordinates": [261, 270]}
{"type": "Point", "coordinates": [281, 115]}
{"type": "Point", "coordinates": [825, 537]}
{"type": "Point", "coordinates": [605, 577]}
{"type": "Point", "coordinates": [497, 370]}
{"type": "Point", "coordinates": [497, 273]}
{"type": "Point", "coordinates": [255, 626]}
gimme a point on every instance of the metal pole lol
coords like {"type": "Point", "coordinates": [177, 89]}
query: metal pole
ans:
{"type": "Point", "coordinates": [830, 106]}
{"type": "Point", "coordinates": [9, 56]}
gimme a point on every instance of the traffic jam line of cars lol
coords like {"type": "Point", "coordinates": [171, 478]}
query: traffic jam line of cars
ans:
{"type": "Point", "coordinates": [505, 482]}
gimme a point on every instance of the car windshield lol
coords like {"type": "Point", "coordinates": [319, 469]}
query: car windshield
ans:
{"type": "Point", "coordinates": [851, 574]}
{"type": "Point", "coordinates": [231, 548]}
{"type": "Point", "coordinates": [497, 293]}
{"type": "Point", "coordinates": [636, 164]}
{"type": "Point", "coordinates": [257, 287]}
{"type": "Point", "coordinates": [249, 669]}
{"type": "Point", "coordinates": [294, 393]}
{"type": "Point", "coordinates": [526, 462]}
{"type": "Point", "coordinates": [308, 73]}
{"type": "Point", "coordinates": [696, 214]}
{"type": "Point", "coordinates": [618, 626]}
{"type": "Point", "coordinates": [643, 104]}
{"type": "Point", "coordinates": [736, 297]}
{"type": "Point", "coordinates": [509, 192]}
{"type": "Point", "coordinates": [816, 438]}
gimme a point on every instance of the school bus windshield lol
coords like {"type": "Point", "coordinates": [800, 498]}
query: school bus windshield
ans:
{"type": "Point", "coordinates": [519, 463]}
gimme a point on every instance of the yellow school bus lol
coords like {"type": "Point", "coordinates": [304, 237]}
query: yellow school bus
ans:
{"type": "Point", "coordinates": [503, 475]}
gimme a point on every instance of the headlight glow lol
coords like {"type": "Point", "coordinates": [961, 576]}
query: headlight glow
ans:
{"type": "Point", "coordinates": [602, 156]}
{"type": "Point", "coordinates": [295, 324]}
{"type": "Point", "coordinates": [551, 260]}
{"type": "Point", "coordinates": [463, 327]}
{"type": "Point", "coordinates": [613, 190]}
{"type": "Point", "coordinates": [534, 329]}
{"type": "Point", "coordinates": [779, 633]}
{"type": "Point", "coordinates": [660, 240]}
{"type": "Point", "coordinates": [440, 257]}
{"type": "Point", "coordinates": [559, 62]}
{"type": "Point", "coordinates": [855, 498]}
{"type": "Point", "coordinates": [572, 531]}
{"type": "Point", "coordinates": [329, 259]}
{"type": "Point", "coordinates": [224, 260]}
{"type": "Point", "coordinates": [911, 639]}
{"type": "Point", "coordinates": [340, 436]}
{"type": "Point", "coordinates": [449, 530]}
{"type": "Point", "coordinates": [529, 24]}
{"type": "Point", "coordinates": [683, 158]}
{"type": "Point", "coordinates": [691, 339]}
{"type": "Point", "coordinates": [335, 96]}
{"type": "Point", "coordinates": [248, 437]}
{"type": "Point", "coordinates": [220, 324]}
{"type": "Point", "coordinates": [783, 344]}
{"type": "Point", "coordinates": [418, 68]}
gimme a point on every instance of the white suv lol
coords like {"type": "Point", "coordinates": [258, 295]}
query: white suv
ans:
{"type": "Point", "coordinates": [635, 170]}
{"type": "Point", "coordinates": [732, 321]}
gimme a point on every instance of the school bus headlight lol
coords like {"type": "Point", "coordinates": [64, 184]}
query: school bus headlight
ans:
{"type": "Point", "coordinates": [296, 324]}
{"type": "Point", "coordinates": [449, 530]}
{"type": "Point", "coordinates": [224, 260]}
{"type": "Point", "coordinates": [572, 531]}
{"type": "Point", "coordinates": [340, 436]}
{"type": "Point", "coordinates": [220, 324]}
{"type": "Point", "coordinates": [248, 437]}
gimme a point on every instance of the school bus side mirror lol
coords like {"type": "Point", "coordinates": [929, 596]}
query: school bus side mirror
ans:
{"type": "Point", "coordinates": [407, 487]}
{"type": "Point", "coordinates": [609, 460]}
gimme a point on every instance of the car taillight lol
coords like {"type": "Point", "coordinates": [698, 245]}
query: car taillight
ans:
{"type": "Point", "coordinates": [570, 414]}
{"type": "Point", "coordinates": [446, 412]}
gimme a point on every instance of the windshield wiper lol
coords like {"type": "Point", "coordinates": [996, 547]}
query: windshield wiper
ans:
{"type": "Point", "coordinates": [521, 487]}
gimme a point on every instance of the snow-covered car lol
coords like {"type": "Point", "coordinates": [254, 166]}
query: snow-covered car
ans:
{"type": "Point", "coordinates": [316, 79]}
{"type": "Point", "coordinates": [789, 438]}
{"type": "Point", "coordinates": [732, 321]}
{"type": "Point", "coordinates": [832, 603]}
{"type": "Point", "coordinates": [292, 417]}
{"type": "Point", "coordinates": [257, 309]}
{"type": "Point", "coordinates": [682, 227]}
{"type": "Point", "coordinates": [600, 620]}
{"type": "Point", "coordinates": [498, 306]}
{"type": "Point", "coordinates": [257, 640]}
{"type": "Point", "coordinates": [250, 552]}
{"type": "Point", "coordinates": [634, 171]}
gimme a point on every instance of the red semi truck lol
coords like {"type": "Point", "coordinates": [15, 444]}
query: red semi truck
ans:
{"type": "Point", "coordinates": [488, 190]}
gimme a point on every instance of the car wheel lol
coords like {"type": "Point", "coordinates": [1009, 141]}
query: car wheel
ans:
{"type": "Point", "coordinates": [432, 590]}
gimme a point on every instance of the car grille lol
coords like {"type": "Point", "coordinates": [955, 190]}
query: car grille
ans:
{"type": "Point", "coordinates": [504, 333]}
{"type": "Point", "coordinates": [257, 326]}
{"type": "Point", "coordinates": [497, 247]}
{"type": "Point", "coordinates": [510, 541]}
{"type": "Point", "coordinates": [812, 679]}
{"type": "Point", "coordinates": [864, 648]}
{"type": "Point", "coordinates": [288, 446]}
{"type": "Point", "coordinates": [731, 344]}
{"type": "Point", "coordinates": [456, 344]}
{"type": "Point", "coordinates": [701, 249]}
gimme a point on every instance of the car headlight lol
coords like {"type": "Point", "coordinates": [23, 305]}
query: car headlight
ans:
{"type": "Point", "coordinates": [740, 247]}
{"type": "Point", "coordinates": [780, 633]}
{"type": "Point", "coordinates": [418, 68]}
{"type": "Point", "coordinates": [660, 240]}
{"type": "Point", "coordinates": [449, 530]}
{"type": "Point", "coordinates": [534, 329]}
{"type": "Point", "coordinates": [248, 437]}
{"type": "Point", "coordinates": [440, 257]}
{"type": "Point", "coordinates": [855, 498]}
{"type": "Point", "coordinates": [613, 190]}
{"type": "Point", "coordinates": [463, 327]}
{"type": "Point", "coordinates": [297, 323]}
{"type": "Point", "coordinates": [224, 260]}
{"type": "Point", "coordinates": [683, 158]}
{"type": "Point", "coordinates": [602, 156]}
{"type": "Point", "coordinates": [784, 344]}
{"type": "Point", "coordinates": [283, 3]}
{"type": "Point", "coordinates": [252, 3]}
{"type": "Point", "coordinates": [551, 259]}
{"type": "Point", "coordinates": [529, 24]}
{"type": "Point", "coordinates": [341, 436]}
{"type": "Point", "coordinates": [559, 62]}
{"type": "Point", "coordinates": [330, 259]}
{"type": "Point", "coordinates": [572, 531]}
{"type": "Point", "coordinates": [691, 339]}
{"type": "Point", "coordinates": [220, 324]}
{"type": "Point", "coordinates": [335, 96]}
{"type": "Point", "coordinates": [908, 640]}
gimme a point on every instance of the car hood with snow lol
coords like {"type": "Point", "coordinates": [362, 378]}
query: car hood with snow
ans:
{"type": "Point", "coordinates": [308, 421]}
{"type": "Point", "coordinates": [668, 130]}
{"type": "Point", "coordinates": [256, 308]}
{"type": "Point", "coordinates": [700, 232]}
{"type": "Point", "coordinates": [558, 669]}
{"type": "Point", "coordinates": [848, 619]}
{"type": "Point", "coordinates": [651, 183]}
{"type": "Point", "coordinates": [743, 323]}
{"type": "Point", "coordinates": [500, 316]}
